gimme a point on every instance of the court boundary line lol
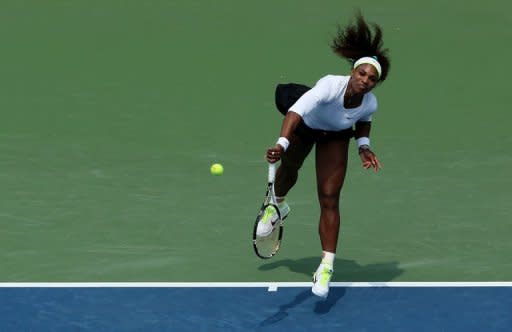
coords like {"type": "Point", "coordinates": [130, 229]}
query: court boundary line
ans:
{"type": "Point", "coordinates": [269, 285]}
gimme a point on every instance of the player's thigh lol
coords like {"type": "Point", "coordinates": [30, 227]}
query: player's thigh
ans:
{"type": "Point", "coordinates": [331, 166]}
{"type": "Point", "coordinates": [299, 149]}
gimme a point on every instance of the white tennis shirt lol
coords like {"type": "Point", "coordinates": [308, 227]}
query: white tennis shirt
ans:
{"type": "Point", "coordinates": [322, 106]}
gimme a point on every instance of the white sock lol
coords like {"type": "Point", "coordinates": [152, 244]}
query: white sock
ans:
{"type": "Point", "coordinates": [280, 202]}
{"type": "Point", "coordinates": [328, 258]}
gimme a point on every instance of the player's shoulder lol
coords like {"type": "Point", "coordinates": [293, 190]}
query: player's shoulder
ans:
{"type": "Point", "coordinates": [334, 80]}
{"type": "Point", "coordinates": [371, 101]}
{"type": "Point", "coordinates": [332, 85]}
{"type": "Point", "coordinates": [371, 97]}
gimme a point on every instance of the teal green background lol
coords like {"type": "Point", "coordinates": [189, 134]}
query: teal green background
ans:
{"type": "Point", "coordinates": [113, 111]}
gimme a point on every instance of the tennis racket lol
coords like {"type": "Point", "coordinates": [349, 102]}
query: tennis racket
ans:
{"type": "Point", "coordinates": [267, 246]}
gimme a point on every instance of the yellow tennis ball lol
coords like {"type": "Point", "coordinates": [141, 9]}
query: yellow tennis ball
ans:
{"type": "Point", "coordinates": [217, 169]}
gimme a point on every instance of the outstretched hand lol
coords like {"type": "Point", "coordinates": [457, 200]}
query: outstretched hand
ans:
{"type": "Point", "coordinates": [274, 154]}
{"type": "Point", "coordinates": [369, 159]}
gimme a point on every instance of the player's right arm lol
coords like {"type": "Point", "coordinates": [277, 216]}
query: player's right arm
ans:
{"type": "Point", "coordinates": [290, 122]}
{"type": "Point", "coordinates": [321, 92]}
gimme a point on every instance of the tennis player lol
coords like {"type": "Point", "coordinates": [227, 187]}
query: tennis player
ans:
{"type": "Point", "coordinates": [326, 117]}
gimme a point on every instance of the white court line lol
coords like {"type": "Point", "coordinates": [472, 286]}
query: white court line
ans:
{"type": "Point", "coordinates": [269, 285]}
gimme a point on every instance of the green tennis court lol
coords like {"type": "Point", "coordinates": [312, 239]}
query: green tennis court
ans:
{"type": "Point", "coordinates": [113, 111]}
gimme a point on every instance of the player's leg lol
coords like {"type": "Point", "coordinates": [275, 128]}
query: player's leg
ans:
{"type": "Point", "coordinates": [331, 165]}
{"type": "Point", "coordinates": [286, 177]}
{"type": "Point", "coordinates": [291, 162]}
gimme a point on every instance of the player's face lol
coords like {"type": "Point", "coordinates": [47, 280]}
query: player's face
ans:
{"type": "Point", "coordinates": [364, 78]}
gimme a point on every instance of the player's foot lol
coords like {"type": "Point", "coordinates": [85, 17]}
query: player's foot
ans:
{"type": "Point", "coordinates": [270, 217]}
{"type": "Point", "coordinates": [322, 279]}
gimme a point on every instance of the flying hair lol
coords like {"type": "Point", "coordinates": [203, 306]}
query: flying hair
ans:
{"type": "Point", "coordinates": [356, 40]}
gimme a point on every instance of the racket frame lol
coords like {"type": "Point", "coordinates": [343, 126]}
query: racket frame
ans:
{"type": "Point", "coordinates": [270, 200]}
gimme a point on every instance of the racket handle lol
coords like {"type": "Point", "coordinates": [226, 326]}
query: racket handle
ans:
{"type": "Point", "coordinates": [271, 172]}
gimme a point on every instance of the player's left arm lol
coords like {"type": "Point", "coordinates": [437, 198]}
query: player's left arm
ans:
{"type": "Point", "coordinates": [368, 157]}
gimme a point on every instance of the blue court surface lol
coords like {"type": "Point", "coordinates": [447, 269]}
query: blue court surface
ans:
{"type": "Point", "coordinates": [256, 307]}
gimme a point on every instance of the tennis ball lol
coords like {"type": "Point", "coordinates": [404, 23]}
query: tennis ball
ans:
{"type": "Point", "coordinates": [217, 169]}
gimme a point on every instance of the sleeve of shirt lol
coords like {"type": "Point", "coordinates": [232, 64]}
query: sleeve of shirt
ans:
{"type": "Point", "coordinates": [372, 108]}
{"type": "Point", "coordinates": [319, 94]}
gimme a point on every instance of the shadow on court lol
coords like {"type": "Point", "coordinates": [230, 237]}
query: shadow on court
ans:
{"type": "Point", "coordinates": [345, 270]}
{"type": "Point", "coordinates": [321, 306]}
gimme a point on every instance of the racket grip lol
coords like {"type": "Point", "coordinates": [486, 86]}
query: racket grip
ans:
{"type": "Point", "coordinates": [271, 172]}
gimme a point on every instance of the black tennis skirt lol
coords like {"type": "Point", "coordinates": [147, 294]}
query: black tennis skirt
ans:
{"type": "Point", "coordinates": [286, 95]}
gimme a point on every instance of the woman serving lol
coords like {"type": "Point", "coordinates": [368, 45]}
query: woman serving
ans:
{"type": "Point", "coordinates": [326, 117]}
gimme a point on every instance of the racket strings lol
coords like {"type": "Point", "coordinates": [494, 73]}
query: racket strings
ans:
{"type": "Point", "coordinates": [267, 246]}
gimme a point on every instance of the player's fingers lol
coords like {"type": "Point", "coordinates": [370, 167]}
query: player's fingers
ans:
{"type": "Point", "coordinates": [273, 156]}
{"type": "Point", "coordinates": [378, 163]}
{"type": "Point", "coordinates": [378, 166]}
{"type": "Point", "coordinates": [270, 158]}
{"type": "Point", "coordinates": [373, 163]}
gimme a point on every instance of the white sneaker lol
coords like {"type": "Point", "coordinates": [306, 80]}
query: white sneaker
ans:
{"type": "Point", "coordinates": [268, 222]}
{"type": "Point", "coordinates": [322, 279]}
